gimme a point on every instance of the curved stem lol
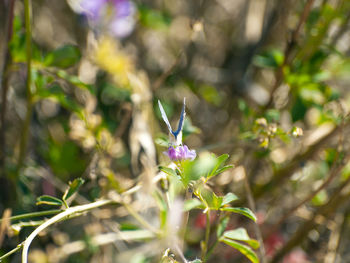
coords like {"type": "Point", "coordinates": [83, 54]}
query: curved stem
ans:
{"type": "Point", "coordinates": [56, 218]}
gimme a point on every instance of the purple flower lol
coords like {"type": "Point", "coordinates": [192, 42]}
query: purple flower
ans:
{"type": "Point", "coordinates": [180, 153]}
{"type": "Point", "coordinates": [115, 16]}
{"type": "Point", "coordinates": [93, 8]}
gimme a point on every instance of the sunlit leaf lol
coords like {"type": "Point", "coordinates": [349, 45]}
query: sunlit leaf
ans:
{"type": "Point", "coordinates": [241, 210]}
{"type": "Point", "coordinates": [241, 234]}
{"type": "Point", "coordinates": [223, 169]}
{"type": "Point", "coordinates": [73, 188]}
{"type": "Point", "coordinates": [219, 161]}
{"type": "Point", "coordinates": [192, 204]}
{"type": "Point", "coordinates": [228, 198]}
{"type": "Point", "coordinates": [245, 250]}
{"type": "Point", "coordinates": [48, 200]}
{"type": "Point", "coordinates": [210, 198]}
{"type": "Point", "coordinates": [168, 171]}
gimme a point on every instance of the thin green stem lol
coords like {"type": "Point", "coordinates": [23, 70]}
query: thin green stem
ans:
{"type": "Point", "coordinates": [207, 234]}
{"type": "Point", "coordinates": [11, 252]}
{"type": "Point", "coordinates": [34, 214]}
{"type": "Point", "coordinates": [185, 220]}
{"type": "Point", "coordinates": [211, 249]}
{"type": "Point", "coordinates": [26, 124]}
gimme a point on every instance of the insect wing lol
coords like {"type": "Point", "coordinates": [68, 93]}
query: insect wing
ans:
{"type": "Point", "coordinates": [181, 121]}
{"type": "Point", "coordinates": [165, 118]}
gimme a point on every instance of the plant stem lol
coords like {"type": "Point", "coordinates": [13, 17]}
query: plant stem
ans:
{"type": "Point", "coordinates": [207, 234]}
{"type": "Point", "coordinates": [68, 212]}
{"type": "Point", "coordinates": [287, 58]}
{"type": "Point", "coordinates": [34, 214]}
{"type": "Point", "coordinates": [4, 84]}
{"type": "Point", "coordinates": [185, 220]}
{"type": "Point", "coordinates": [211, 249]}
{"type": "Point", "coordinates": [11, 252]}
{"type": "Point", "coordinates": [26, 124]}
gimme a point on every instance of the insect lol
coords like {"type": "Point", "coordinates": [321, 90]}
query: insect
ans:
{"type": "Point", "coordinates": [175, 136]}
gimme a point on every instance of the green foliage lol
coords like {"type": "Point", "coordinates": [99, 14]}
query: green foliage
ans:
{"type": "Point", "coordinates": [153, 18]}
{"type": "Point", "coordinates": [63, 57]}
{"type": "Point", "coordinates": [245, 250]}
{"type": "Point", "coordinates": [272, 58]}
{"type": "Point", "coordinates": [241, 210]}
{"type": "Point", "coordinates": [240, 234]}
{"type": "Point", "coordinates": [49, 200]}
{"type": "Point", "coordinates": [73, 188]}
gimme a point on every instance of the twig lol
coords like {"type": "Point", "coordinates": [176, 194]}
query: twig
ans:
{"type": "Point", "coordinates": [333, 174]}
{"type": "Point", "coordinates": [284, 173]}
{"type": "Point", "coordinates": [287, 58]}
{"type": "Point", "coordinates": [68, 212]}
{"type": "Point", "coordinates": [334, 239]}
{"type": "Point", "coordinates": [26, 124]}
{"type": "Point", "coordinates": [5, 85]}
{"type": "Point", "coordinates": [160, 80]}
{"type": "Point", "coordinates": [332, 205]}
{"type": "Point", "coordinates": [5, 223]}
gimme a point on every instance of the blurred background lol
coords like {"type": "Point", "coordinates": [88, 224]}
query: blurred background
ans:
{"type": "Point", "coordinates": [264, 81]}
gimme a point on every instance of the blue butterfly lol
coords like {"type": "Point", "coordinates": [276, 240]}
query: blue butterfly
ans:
{"type": "Point", "coordinates": [176, 138]}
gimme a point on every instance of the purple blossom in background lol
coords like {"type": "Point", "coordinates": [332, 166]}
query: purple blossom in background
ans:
{"type": "Point", "coordinates": [93, 8]}
{"type": "Point", "coordinates": [180, 153]}
{"type": "Point", "coordinates": [115, 16]}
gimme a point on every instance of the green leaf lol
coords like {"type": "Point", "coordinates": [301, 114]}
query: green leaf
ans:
{"type": "Point", "coordinates": [241, 210]}
{"type": "Point", "coordinates": [154, 19]}
{"type": "Point", "coordinates": [241, 234]}
{"type": "Point", "coordinates": [245, 250]}
{"type": "Point", "coordinates": [73, 188]}
{"type": "Point", "coordinates": [270, 59]}
{"type": "Point", "coordinates": [74, 80]}
{"type": "Point", "coordinates": [219, 161]}
{"type": "Point", "coordinates": [223, 169]}
{"type": "Point", "coordinates": [192, 204]}
{"type": "Point", "coordinates": [210, 198]}
{"type": "Point", "coordinates": [201, 167]}
{"type": "Point", "coordinates": [48, 200]}
{"type": "Point", "coordinates": [228, 198]}
{"type": "Point", "coordinates": [55, 93]}
{"type": "Point", "coordinates": [63, 57]}
{"type": "Point", "coordinates": [168, 171]}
